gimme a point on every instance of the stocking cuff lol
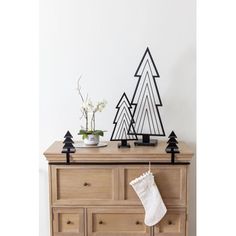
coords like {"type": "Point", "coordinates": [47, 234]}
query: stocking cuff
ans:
{"type": "Point", "coordinates": [140, 178]}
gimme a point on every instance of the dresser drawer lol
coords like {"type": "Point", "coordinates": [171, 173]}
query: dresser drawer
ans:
{"type": "Point", "coordinates": [84, 184]}
{"type": "Point", "coordinates": [171, 182]}
{"type": "Point", "coordinates": [116, 222]}
{"type": "Point", "coordinates": [68, 222]}
{"type": "Point", "coordinates": [173, 224]}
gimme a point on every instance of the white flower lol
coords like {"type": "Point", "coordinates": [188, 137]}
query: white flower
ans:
{"type": "Point", "coordinates": [100, 106]}
{"type": "Point", "coordinates": [90, 105]}
{"type": "Point", "coordinates": [84, 106]}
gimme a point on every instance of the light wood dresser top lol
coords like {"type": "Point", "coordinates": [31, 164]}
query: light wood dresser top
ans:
{"type": "Point", "coordinates": [118, 155]}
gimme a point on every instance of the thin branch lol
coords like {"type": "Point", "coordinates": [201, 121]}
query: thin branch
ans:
{"type": "Point", "coordinates": [79, 88]}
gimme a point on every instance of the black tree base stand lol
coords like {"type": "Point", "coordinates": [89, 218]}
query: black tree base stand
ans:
{"type": "Point", "coordinates": [123, 144]}
{"type": "Point", "coordinates": [146, 141]}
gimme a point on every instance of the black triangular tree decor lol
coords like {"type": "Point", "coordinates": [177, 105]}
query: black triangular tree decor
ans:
{"type": "Point", "coordinates": [68, 135]}
{"type": "Point", "coordinates": [172, 135]}
{"type": "Point", "coordinates": [68, 140]}
{"type": "Point", "coordinates": [68, 146]}
{"type": "Point", "coordinates": [123, 121]}
{"type": "Point", "coordinates": [146, 100]}
{"type": "Point", "coordinates": [172, 146]}
{"type": "Point", "coordinates": [171, 140]}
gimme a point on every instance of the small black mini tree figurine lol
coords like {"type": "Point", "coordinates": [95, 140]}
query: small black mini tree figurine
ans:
{"type": "Point", "coordinates": [68, 146]}
{"type": "Point", "coordinates": [122, 121]}
{"type": "Point", "coordinates": [172, 146]}
{"type": "Point", "coordinates": [146, 101]}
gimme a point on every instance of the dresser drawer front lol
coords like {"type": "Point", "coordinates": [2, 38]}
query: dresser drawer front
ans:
{"type": "Point", "coordinates": [173, 224]}
{"type": "Point", "coordinates": [68, 222]}
{"type": "Point", "coordinates": [171, 182]}
{"type": "Point", "coordinates": [116, 222]}
{"type": "Point", "coordinates": [83, 184]}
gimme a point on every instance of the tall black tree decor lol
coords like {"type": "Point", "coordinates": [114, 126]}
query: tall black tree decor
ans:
{"type": "Point", "coordinates": [172, 146]}
{"type": "Point", "coordinates": [146, 100]}
{"type": "Point", "coordinates": [68, 146]}
{"type": "Point", "coordinates": [123, 121]}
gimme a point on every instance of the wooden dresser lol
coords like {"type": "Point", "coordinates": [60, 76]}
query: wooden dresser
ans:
{"type": "Point", "coordinates": [92, 196]}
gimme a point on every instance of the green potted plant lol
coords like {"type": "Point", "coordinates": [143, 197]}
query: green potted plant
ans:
{"type": "Point", "coordinates": [90, 134]}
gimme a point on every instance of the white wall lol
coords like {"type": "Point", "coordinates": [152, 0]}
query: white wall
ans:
{"type": "Point", "coordinates": [104, 40]}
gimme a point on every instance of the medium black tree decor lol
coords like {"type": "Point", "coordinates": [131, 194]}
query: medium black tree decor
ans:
{"type": "Point", "coordinates": [123, 121]}
{"type": "Point", "coordinates": [146, 100]}
{"type": "Point", "coordinates": [172, 146]}
{"type": "Point", "coordinates": [68, 146]}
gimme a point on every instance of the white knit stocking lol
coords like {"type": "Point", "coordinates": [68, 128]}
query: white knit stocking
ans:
{"type": "Point", "coordinates": [147, 191]}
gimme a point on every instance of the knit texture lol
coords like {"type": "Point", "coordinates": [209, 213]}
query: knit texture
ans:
{"type": "Point", "coordinates": [147, 191]}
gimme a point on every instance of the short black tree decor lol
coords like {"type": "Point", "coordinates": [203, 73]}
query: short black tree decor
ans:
{"type": "Point", "coordinates": [123, 120]}
{"type": "Point", "coordinates": [172, 146]}
{"type": "Point", "coordinates": [68, 146]}
{"type": "Point", "coordinates": [146, 100]}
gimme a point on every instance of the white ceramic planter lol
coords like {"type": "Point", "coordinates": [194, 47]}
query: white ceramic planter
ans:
{"type": "Point", "coordinates": [92, 140]}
